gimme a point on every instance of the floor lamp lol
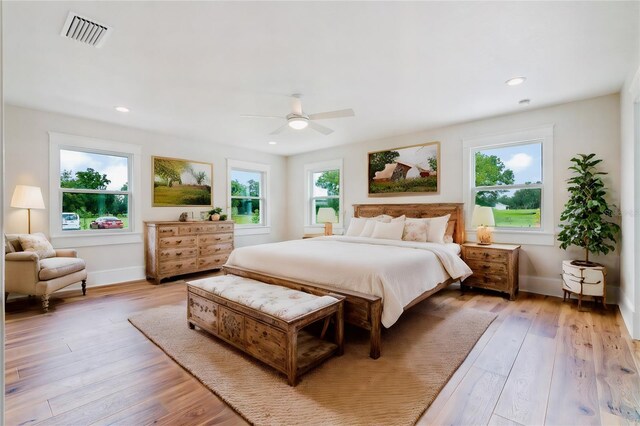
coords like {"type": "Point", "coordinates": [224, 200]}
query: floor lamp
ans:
{"type": "Point", "coordinates": [27, 197]}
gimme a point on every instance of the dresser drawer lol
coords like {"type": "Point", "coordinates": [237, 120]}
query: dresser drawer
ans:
{"type": "Point", "coordinates": [499, 268]}
{"type": "Point", "coordinates": [170, 242]}
{"type": "Point", "coordinates": [187, 229]}
{"type": "Point", "coordinates": [487, 280]}
{"type": "Point", "coordinates": [215, 238]}
{"type": "Point", "coordinates": [178, 266]}
{"type": "Point", "coordinates": [177, 253]}
{"type": "Point", "coordinates": [167, 231]}
{"type": "Point", "coordinates": [212, 262]}
{"type": "Point", "coordinates": [214, 249]}
{"type": "Point", "coordinates": [471, 254]}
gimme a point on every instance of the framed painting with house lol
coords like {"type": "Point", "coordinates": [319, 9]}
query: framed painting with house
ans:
{"type": "Point", "coordinates": [178, 182]}
{"type": "Point", "coordinates": [410, 170]}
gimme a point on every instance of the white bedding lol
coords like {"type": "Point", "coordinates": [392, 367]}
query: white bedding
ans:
{"type": "Point", "coordinates": [397, 271]}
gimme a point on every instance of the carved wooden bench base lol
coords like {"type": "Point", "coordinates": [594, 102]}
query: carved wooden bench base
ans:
{"type": "Point", "coordinates": [281, 344]}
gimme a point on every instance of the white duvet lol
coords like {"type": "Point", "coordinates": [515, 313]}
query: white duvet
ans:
{"type": "Point", "coordinates": [397, 271]}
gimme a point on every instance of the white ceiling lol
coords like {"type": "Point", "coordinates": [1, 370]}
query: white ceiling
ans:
{"type": "Point", "coordinates": [191, 69]}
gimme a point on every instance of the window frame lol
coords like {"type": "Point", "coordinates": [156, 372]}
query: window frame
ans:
{"type": "Point", "coordinates": [265, 209]}
{"type": "Point", "coordinates": [545, 235]}
{"type": "Point", "coordinates": [309, 170]}
{"type": "Point", "coordinates": [85, 238]}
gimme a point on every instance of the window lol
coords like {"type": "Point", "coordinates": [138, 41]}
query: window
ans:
{"type": "Point", "coordinates": [94, 188]}
{"type": "Point", "coordinates": [92, 184]}
{"type": "Point", "coordinates": [324, 189]}
{"type": "Point", "coordinates": [248, 190]}
{"type": "Point", "coordinates": [513, 174]}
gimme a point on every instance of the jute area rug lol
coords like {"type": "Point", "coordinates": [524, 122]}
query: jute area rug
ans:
{"type": "Point", "coordinates": [419, 355]}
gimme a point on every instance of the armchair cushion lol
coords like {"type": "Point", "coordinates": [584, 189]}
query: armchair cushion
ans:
{"type": "Point", "coordinates": [55, 267]}
{"type": "Point", "coordinates": [8, 247]}
{"type": "Point", "coordinates": [37, 243]}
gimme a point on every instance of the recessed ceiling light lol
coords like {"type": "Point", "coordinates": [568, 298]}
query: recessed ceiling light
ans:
{"type": "Point", "coordinates": [515, 81]}
{"type": "Point", "coordinates": [122, 109]}
{"type": "Point", "coordinates": [272, 142]}
{"type": "Point", "coordinates": [525, 101]}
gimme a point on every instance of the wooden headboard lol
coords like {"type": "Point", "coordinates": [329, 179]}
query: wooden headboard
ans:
{"type": "Point", "coordinates": [417, 210]}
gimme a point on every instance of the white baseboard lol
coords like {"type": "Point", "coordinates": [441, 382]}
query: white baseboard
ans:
{"type": "Point", "coordinates": [112, 276]}
{"type": "Point", "coordinates": [553, 287]}
{"type": "Point", "coordinates": [628, 314]}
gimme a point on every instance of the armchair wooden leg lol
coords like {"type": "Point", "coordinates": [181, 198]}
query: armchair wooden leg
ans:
{"type": "Point", "coordinates": [45, 303]}
{"type": "Point", "coordinates": [84, 287]}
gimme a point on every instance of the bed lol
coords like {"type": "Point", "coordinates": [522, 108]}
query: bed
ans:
{"type": "Point", "coordinates": [366, 271]}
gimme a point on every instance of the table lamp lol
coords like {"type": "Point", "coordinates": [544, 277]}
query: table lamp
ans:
{"type": "Point", "coordinates": [27, 197]}
{"type": "Point", "coordinates": [328, 216]}
{"type": "Point", "coordinates": [483, 219]}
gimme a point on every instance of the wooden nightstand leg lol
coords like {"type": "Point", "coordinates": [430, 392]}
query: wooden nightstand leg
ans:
{"type": "Point", "coordinates": [580, 301]}
{"type": "Point", "coordinates": [564, 296]}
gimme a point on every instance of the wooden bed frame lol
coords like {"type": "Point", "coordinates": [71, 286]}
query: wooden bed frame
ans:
{"type": "Point", "coordinates": [365, 310]}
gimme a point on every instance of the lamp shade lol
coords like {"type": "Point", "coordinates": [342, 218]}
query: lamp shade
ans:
{"type": "Point", "coordinates": [326, 214]}
{"type": "Point", "coordinates": [482, 216]}
{"type": "Point", "coordinates": [27, 197]}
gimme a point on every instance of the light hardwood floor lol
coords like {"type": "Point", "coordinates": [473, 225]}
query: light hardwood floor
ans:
{"type": "Point", "coordinates": [540, 362]}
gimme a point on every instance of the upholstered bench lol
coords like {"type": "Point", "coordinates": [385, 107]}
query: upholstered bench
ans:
{"type": "Point", "coordinates": [266, 321]}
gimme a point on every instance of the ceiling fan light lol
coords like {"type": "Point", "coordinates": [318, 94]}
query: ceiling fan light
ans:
{"type": "Point", "coordinates": [298, 123]}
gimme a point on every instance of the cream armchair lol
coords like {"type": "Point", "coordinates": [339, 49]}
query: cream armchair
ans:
{"type": "Point", "coordinates": [26, 273]}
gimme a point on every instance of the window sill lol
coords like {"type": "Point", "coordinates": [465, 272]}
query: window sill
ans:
{"type": "Point", "coordinates": [518, 237]}
{"type": "Point", "coordinates": [251, 230]}
{"type": "Point", "coordinates": [92, 240]}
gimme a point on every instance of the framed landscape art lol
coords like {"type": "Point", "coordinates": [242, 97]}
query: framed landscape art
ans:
{"type": "Point", "coordinates": [410, 170]}
{"type": "Point", "coordinates": [179, 182]}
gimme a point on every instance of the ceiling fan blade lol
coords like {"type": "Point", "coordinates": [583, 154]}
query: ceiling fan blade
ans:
{"type": "Point", "coordinates": [296, 104]}
{"type": "Point", "coordinates": [280, 129]}
{"type": "Point", "coordinates": [259, 116]}
{"type": "Point", "coordinates": [320, 128]}
{"type": "Point", "coordinates": [332, 114]}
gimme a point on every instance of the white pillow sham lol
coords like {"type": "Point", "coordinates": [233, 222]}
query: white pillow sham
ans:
{"type": "Point", "coordinates": [370, 224]}
{"type": "Point", "coordinates": [356, 225]}
{"type": "Point", "coordinates": [388, 231]}
{"type": "Point", "coordinates": [437, 229]}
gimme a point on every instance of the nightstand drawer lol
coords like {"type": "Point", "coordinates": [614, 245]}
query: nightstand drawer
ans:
{"type": "Point", "coordinates": [499, 268]}
{"type": "Point", "coordinates": [487, 255]}
{"type": "Point", "coordinates": [485, 280]}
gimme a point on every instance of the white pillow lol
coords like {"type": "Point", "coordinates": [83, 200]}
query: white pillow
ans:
{"type": "Point", "coordinates": [437, 228]}
{"type": "Point", "coordinates": [369, 226]}
{"type": "Point", "coordinates": [415, 230]}
{"type": "Point", "coordinates": [356, 225]}
{"type": "Point", "coordinates": [388, 231]}
{"type": "Point", "coordinates": [399, 219]}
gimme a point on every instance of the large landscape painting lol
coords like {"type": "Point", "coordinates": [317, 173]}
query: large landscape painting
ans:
{"type": "Point", "coordinates": [405, 171]}
{"type": "Point", "coordinates": [179, 182]}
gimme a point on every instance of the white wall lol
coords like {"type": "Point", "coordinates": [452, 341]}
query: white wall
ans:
{"type": "Point", "coordinates": [591, 125]}
{"type": "Point", "coordinates": [27, 153]}
{"type": "Point", "coordinates": [630, 189]}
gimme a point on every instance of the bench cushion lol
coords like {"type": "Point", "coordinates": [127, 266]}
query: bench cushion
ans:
{"type": "Point", "coordinates": [280, 302]}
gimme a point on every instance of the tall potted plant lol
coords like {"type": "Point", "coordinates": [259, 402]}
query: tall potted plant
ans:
{"type": "Point", "coordinates": [585, 213]}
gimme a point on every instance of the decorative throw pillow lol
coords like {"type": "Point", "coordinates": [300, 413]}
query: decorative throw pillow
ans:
{"type": "Point", "coordinates": [415, 230]}
{"type": "Point", "coordinates": [388, 231]}
{"type": "Point", "coordinates": [448, 235]}
{"type": "Point", "coordinates": [38, 244]}
{"type": "Point", "coordinates": [356, 225]}
{"type": "Point", "coordinates": [437, 228]}
{"type": "Point", "coordinates": [8, 247]}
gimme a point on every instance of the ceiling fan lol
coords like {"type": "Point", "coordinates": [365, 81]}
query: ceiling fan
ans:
{"type": "Point", "coordinates": [298, 120]}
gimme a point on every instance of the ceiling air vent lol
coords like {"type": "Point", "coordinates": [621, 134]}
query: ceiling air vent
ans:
{"type": "Point", "coordinates": [85, 30]}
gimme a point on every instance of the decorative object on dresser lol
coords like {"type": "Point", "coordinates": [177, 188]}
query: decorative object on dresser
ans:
{"type": "Point", "coordinates": [410, 170]}
{"type": "Point", "coordinates": [584, 281]}
{"type": "Point", "coordinates": [176, 248]}
{"type": "Point", "coordinates": [179, 182]}
{"type": "Point", "coordinates": [495, 267]}
{"type": "Point", "coordinates": [214, 214]}
{"type": "Point", "coordinates": [328, 216]}
{"type": "Point", "coordinates": [483, 220]}
{"type": "Point", "coordinates": [27, 197]}
{"type": "Point", "coordinates": [585, 226]}
{"type": "Point", "coordinates": [266, 321]}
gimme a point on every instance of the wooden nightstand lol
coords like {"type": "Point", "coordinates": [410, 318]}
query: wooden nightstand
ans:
{"type": "Point", "coordinates": [495, 267]}
{"type": "Point", "coordinates": [305, 236]}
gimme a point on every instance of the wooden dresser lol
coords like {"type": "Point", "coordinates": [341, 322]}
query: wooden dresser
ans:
{"type": "Point", "coordinates": [494, 266]}
{"type": "Point", "coordinates": [176, 248]}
